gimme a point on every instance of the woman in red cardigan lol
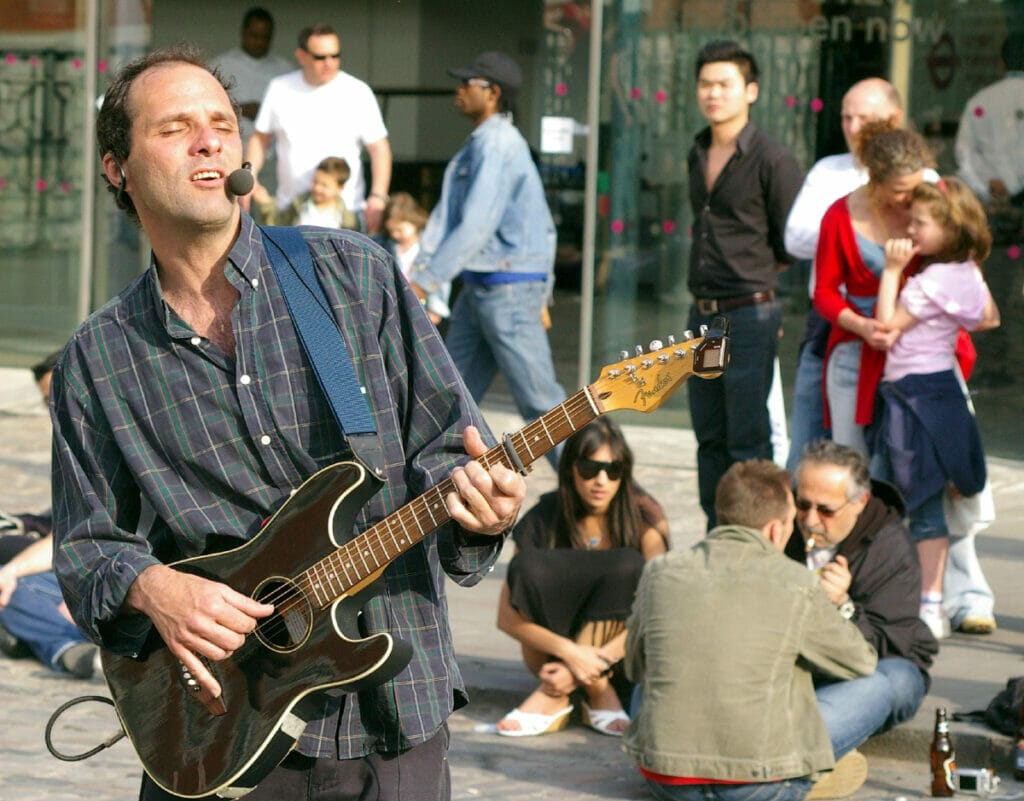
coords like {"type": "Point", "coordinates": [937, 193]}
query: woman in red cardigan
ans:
{"type": "Point", "coordinates": [848, 265]}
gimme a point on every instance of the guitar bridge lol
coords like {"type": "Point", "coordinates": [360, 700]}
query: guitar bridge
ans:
{"type": "Point", "coordinates": [215, 706]}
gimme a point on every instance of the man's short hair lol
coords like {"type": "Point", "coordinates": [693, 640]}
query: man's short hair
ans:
{"type": "Point", "coordinates": [114, 120]}
{"type": "Point", "coordinates": [827, 452]}
{"type": "Point", "coordinates": [1012, 51]}
{"type": "Point", "coordinates": [45, 366]}
{"type": "Point", "coordinates": [728, 50]}
{"type": "Point", "coordinates": [257, 14]}
{"type": "Point", "coordinates": [316, 29]}
{"type": "Point", "coordinates": [753, 493]}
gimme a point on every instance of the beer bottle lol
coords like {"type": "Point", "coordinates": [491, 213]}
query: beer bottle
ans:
{"type": "Point", "coordinates": [943, 757]}
{"type": "Point", "coordinates": [1018, 748]}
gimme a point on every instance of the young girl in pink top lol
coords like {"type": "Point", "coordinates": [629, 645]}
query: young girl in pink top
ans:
{"type": "Point", "coordinates": [929, 440]}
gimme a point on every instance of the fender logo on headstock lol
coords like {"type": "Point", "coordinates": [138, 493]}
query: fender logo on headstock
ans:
{"type": "Point", "coordinates": [642, 395]}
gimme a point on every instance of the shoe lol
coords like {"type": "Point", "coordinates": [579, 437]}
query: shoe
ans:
{"type": "Point", "coordinates": [532, 724]}
{"type": "Point", "coordinates": [601, 720]}
{"type": "Point", "coordinates": [846, 778]}
{"type": "Point", "coordinates": [977, 624]}
{"type": "Point", "coordinates": [935, 618]}
{"type": "Point", "coordinates": [80, 660]}
{"type": "Point", "coordinates": [11, 646]}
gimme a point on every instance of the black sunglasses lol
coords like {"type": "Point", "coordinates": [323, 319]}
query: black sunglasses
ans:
{"type": "Point", "coordinates": [324, 56]}
{"type": "Point", "coordinates": [805, 506]}
{"type": "Point", "coordinates": [588, 469]}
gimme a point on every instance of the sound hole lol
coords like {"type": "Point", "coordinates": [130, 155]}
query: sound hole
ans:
{"type": "Point", "coordinates": [290, 624]}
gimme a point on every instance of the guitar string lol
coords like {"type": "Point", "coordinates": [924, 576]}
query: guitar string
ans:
{"type": "Point", "coordinates": [291, 597]}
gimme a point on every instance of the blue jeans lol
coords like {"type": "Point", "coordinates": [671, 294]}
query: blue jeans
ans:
{"type": "Point", "coordinates": [730, 413]}
{"type": "Point", "coordinates": [33, 617]}
{"type": "Point", "coordinates": [855, 709]}
{"type": "Point", "coordinates": [499, 328]}
{"type": "Point", "coordinates": [807, 410]}
{"type": "Point", "coordinates": [786, 790]}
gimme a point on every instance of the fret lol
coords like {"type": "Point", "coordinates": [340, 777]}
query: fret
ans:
{"type": "Point", "coordinates": [543, 422]}
{"type": "Point", "coordinates": [400, 544]}
{"type": "Point", "coordinates": [426, 506]}
{"type": "Point", "coordinates": [320, 574]}
{"type": "Point", "coordinates": [314, 586]}
{"type": "Point", "coordinates": [567, 417]}
{"type": "Point", "coordinates": [416, 520]}
{"type": "Point", "coordinates": [586, 393]}
{"type": "Point", "coordinates": [338, 558]}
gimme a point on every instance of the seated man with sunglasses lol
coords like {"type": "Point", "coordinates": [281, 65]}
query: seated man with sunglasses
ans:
{"type": "Point", "coordinates": [851, 530]}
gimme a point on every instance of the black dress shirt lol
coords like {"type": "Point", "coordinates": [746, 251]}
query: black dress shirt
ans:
{"type": "Point", "coordinates": [738, 226]}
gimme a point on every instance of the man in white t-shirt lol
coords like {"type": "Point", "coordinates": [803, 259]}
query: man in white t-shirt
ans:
{"type": "Point", "coordinates": [251, 65]}
{"type": "Point", "coordinates": [319, 111]}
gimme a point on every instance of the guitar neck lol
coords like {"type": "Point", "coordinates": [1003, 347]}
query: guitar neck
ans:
{"type": "Point", "coordinates": [353, 563]}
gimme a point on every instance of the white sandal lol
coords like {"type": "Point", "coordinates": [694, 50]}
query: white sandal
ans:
{"type": "Point", "coordinates": [533, 723]}
{"type": "Point", "coordinates": [601, 720]}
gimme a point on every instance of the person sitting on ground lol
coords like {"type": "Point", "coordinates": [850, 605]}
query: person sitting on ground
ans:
{"type": "Point", "coordinates": [404, 220]}
{"type": "Point", "coordinates": [579, 554]}
{"type": "Point", "coordinates": [721, 643]}
{"type": "Point", "coordinates": [851, 532]}
{"type": "Point", "coordinates": [322, 205]}
{"type": "Point", "coordinates": [34, 621]}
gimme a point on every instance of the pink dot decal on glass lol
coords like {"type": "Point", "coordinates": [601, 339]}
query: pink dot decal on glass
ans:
{"type": "Point", "coordinates": [1013, 252]}
{"type": "Point", "coordinates": [660, 96]}
{"type": "Point", "coordinates": [618, 226]}
{"type": "Point", "coordinates": [101, 65]}
{"type": "Point", "coordinates": [668, 226]}
{"type": "Point", "coordinates": [979, 111]}
{"type": "Point", "coordinates": [561, 89]}
{"type": "Point", "coordinates": [76, 62]}
{"type": "Point", "coordinates": [689, 232]}
{"type": "Point", "coordinates": [635, 93]}
{"type": "Point", "coordinates": [817, 105]}
{"type": "Point", "coordinates": [34, 61]}
{"type": "Point", "coordinates": [3, 183]}
{"type": "Point", "coordinates": [65, 186]}
{"type": "Point", "coordinates": [40, 184]}
{"type": "Point", "coordinates": [10, 58]}
{"type": "Point", "coordinates": [791, 101]}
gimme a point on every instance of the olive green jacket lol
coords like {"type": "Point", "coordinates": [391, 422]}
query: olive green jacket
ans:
{"type": "Point", "coordinates": [721, 641]}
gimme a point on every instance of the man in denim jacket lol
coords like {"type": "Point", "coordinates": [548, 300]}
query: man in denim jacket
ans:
{"type": "Point", "coordinates": [492, 226]}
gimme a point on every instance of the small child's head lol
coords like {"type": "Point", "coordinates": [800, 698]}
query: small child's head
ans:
{"type": "Point", "coordinates": [329, 179]}
{"type": "Point", "coordinates": [404, 218]}
{"type": "Point", "coordinates": [947, 222]}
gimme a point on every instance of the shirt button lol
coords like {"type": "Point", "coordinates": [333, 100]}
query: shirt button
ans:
{"type": "Point", "coordinates": [245, 380]}
{"type": "Point", "coordinates": [265, 440]}
{"type": "Point", "coordinates": [196, 340]}
{"type": "Point", "coordinates": [254, 283]}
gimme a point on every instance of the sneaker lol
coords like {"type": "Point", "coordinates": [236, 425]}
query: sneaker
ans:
{"type": "Point", "coordinates": [80, 660]}
{"type": "Point", "coordinates": [846, 778]}
{"type": "Point", "coordinates": [935, 618]}
{"type": "Point", "coordinates": [977, 624]}
{"type": "Point", "coordinates": [11, 646]}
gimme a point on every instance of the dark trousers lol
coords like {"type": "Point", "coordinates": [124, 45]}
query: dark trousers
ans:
{"type": "Point", "coordinates": [419, 774]}
{"type": "Point", "coordinates": [730, 413]}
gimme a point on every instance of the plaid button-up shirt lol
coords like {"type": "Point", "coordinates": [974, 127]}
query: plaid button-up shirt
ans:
{"type": "Point", "coordinates": [163, 444]}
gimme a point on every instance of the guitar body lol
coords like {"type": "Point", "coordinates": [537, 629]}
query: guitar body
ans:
{"type": "Point", "coordinates": [279, 679]}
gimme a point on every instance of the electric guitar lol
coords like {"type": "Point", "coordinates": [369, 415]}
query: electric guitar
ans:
{"type": "Point", "coordinates": [193, 745]}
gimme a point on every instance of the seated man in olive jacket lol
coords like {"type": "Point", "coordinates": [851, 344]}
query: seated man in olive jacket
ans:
{"type": "Point", "coordinates": [721, 643]}
{"type": "Point", "coordinates": [851, 531]}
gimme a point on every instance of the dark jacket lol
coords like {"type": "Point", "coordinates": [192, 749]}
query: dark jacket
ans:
{"type": "Point", "coordinates": [886, 579]}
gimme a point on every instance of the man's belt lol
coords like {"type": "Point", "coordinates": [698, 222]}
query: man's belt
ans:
{"type": "Point", "coordinates": [709, 306]}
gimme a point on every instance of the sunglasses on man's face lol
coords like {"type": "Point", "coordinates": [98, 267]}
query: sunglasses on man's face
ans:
{"type": "Point", "coordinates": [482, 83]}
{"type": "Point", "coordinates": [324, 56]}
{"type": "Point", "coordinates": [804, 505]}
{"type": "Point", "coordinates": [589, 468]}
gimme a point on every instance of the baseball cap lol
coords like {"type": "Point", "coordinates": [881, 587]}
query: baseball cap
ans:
{"type": "Point", "coordinates": [494, 66]}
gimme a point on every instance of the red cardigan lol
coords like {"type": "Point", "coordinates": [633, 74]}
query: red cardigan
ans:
{"type": "Point", "coordinates": [838, 263]}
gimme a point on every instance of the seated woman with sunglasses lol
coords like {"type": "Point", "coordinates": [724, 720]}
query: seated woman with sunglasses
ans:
{"type": "Point", "coordinates": [570, 587]}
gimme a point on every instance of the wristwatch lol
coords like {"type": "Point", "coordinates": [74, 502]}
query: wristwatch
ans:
{"type": "Point", "coordinates": [847, 609]}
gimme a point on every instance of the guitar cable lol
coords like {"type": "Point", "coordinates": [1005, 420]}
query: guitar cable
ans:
{"type": "Point", "coordinates": [64, 708]}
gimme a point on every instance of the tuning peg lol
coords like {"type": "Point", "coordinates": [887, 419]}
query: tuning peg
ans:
{"type": "Point", "coordinates": [663, 358]}
{"type": "Point", "coordinates": [687, 334]}
{"type": "Point", "coordinates": [671, 340]}
{"type": "Point", "coordinates": [623, 355]}
{"type": "Point", "coordinates": [647, 364]}
{"type": "Point", "coordinates": [615, 372]}
{"type": "Point", "coordinates": [703, 330]}
{"type": "Point", "coordinates": [630, 369]}
{"type": "Point", "coordinates": [655, 345]}
{"type": "Point", "coordinates": [639, 350]}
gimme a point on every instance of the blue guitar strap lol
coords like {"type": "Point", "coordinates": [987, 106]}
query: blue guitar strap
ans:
{"type": "Point", "coordinates": [324, 345]}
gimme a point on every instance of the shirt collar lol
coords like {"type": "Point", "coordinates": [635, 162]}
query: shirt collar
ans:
{"type": "Point", "coordinates": [743, 141]}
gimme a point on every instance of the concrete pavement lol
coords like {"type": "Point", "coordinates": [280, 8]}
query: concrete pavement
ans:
{"type": "Point", "coordinates": [577, 764]}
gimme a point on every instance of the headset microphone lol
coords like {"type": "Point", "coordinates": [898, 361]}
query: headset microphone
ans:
{"type": "Point", "coordinates": [240, 182]}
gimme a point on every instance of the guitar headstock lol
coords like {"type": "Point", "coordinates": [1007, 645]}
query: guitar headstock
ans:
{"type": "Point", "coordinates": [646, 380]}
